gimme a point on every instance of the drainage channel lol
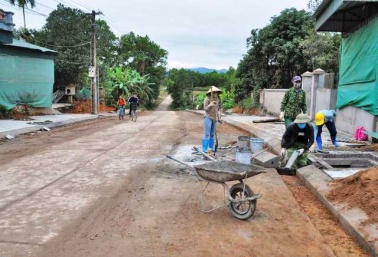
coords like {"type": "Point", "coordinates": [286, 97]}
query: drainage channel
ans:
{"type": "Point", "coordinates": [343, 164]}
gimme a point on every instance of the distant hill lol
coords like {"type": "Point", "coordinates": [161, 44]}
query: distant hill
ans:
{"type": "Point", "coordinates": [207, 70]}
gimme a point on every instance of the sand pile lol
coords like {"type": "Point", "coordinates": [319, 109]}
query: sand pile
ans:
{"type": "Point", "coordinates": [359, 190]}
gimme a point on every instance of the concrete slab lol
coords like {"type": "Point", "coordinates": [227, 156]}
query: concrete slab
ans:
{"type": "Point", "coordinates": [17, 127]}
{"type": "Point", "coordinates": [267, 160]}
{"type": "Point", "coordinates": [342, 173]}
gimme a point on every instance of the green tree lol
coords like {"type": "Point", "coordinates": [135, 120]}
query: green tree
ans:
{"type": "Point", "coordinates": [180, 88]}
{"type": "Point", "coordinates": [231, 80]}
{"type": "Point", "coordinates": [181, 84]}
{"type": "Point", "coordinates": [106, 51]}
{"type": "Point", "coordinates": [274, 54]}
{"type": "Point", "coordinates": [145, 56]}
{"type": "Point", "coordinates": [22, 4]}
{"type": "Point", "coordinates": [322, 50]}
{"type": "Point", "coordinates": [68, 31]}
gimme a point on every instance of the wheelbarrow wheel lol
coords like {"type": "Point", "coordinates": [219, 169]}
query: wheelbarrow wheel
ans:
{"type": "Point", "coordinates": [242, 210]}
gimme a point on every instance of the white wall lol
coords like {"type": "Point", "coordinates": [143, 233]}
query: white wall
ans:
{"type": "Point", "coordinates": [271, 99]}
{"type": "Point", "coordinates": [325, 99]}
{"type": "Point", "coordinates": [347, 119]}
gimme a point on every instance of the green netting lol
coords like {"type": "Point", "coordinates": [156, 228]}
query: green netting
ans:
{"type": "Point", "coordinates": [84, 94]}
{"type": "Point", "coordinates": [358, 84]}
{"type": "Point", "coordinates": [25, 80]}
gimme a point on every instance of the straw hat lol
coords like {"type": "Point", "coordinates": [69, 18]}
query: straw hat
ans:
{"type": "Point", "coordinates": [302, 118]}
{"type": "Point", "coordinates": [319, 119]}
{"type": "Point", "coordinates": [214, 89]}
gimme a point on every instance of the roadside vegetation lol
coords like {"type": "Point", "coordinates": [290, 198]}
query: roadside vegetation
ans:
{"type": "Point", "coordinates": [287, 46]}
{"type": "Point", "coordinates": [131, 63]}
{"type": "Point", "coordinates": [126, 64]}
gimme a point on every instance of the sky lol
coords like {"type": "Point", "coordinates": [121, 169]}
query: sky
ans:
{"type": "Point", "coordinates": [196, 33]}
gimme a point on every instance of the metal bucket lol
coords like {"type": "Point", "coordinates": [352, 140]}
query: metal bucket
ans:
{"type": "Point", "coordinates": [257, 144]}
{"type": "Point", "coordinates": [243, 142]}
{"type": "Point", "coordinates": [243, 155]}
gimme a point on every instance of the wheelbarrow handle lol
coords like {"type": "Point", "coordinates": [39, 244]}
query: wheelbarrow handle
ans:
{"type": "Point", "coordinates": [183, 163]}
{"type": "Point", "coordinates": [204, 154]}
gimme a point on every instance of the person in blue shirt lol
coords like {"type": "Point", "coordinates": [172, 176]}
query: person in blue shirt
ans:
{"type": "Point", "coordinates": [326, 117]}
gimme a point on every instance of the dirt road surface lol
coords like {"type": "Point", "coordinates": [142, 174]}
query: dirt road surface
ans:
{"type": "Point", "coordinates": [105, 188]}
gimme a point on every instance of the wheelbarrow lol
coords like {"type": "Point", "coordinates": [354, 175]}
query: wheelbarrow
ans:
{"type": "Point", "coordinates": [239, 198]}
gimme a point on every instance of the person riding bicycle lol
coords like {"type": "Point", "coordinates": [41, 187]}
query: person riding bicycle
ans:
{"type": "Point", "coordinates": [133, 102]}
{"type": "Point", "coordinates": [121, 106]}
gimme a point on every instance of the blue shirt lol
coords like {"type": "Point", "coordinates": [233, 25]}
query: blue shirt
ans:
{"type": "Point", "coordinates": [329, 115]}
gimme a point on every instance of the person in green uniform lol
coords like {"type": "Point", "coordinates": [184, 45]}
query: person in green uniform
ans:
{"type": "Point", "coordinates": [294, 102]}
{"type": "Point", "coordinates": [299, 135]}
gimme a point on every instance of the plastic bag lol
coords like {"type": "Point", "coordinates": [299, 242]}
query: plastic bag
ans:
{"type": "Point", "coordinates": [360, 134]}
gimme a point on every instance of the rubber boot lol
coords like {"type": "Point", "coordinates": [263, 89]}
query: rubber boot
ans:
{"type": "Point", "coordinates": [319, 143]}
{"type": "Point", "coordinates": [205, 145]}
{"type": "Point", "coordinates": [211, 144]}
{"type": "Point", "coordinates": [334, 141]}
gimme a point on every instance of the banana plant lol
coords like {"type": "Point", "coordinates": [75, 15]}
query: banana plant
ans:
{"type": "Point", "coordinates": [125, 81]}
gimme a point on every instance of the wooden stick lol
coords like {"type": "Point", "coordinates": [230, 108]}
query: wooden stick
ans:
{"type": "Point", "coordinates": [204, 154]}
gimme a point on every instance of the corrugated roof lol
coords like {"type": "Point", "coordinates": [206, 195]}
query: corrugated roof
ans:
{"type": "Point", "coordinates": [24, 44]}
{"type": "Point", "coordinates": [344, 15]}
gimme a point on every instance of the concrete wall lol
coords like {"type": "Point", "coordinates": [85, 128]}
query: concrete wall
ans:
{"type": "Point", "coordinates": [348, 118]}
{"type": "Point", "coordinates": [325, 99]}
{"type": "Point", "coordinates": [320, 93]}
{"type": "Point", "coordinates": [271, 99]}
{"type": "Point", "coordinates": [306, 86]}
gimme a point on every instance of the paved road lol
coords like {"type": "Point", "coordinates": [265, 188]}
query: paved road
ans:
{"type": "Point", "coordinates": [42, 193]}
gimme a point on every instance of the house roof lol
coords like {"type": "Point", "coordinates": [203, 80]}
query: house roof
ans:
{"type": "Point", "coordinates": [344, 15]}
{"type": "Point", "coordinates": [24, 44]}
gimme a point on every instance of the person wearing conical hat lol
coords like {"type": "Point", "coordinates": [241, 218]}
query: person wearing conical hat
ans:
{"type": "Point", "coordinates": [212, 106]}
{"type": "Point", "coordinates": [299, 135]}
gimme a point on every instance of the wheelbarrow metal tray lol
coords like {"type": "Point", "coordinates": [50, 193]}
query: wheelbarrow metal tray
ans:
{"type": "Point", "coordinates": [223, 171]}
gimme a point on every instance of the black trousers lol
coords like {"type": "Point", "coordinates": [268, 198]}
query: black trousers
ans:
{"type": "Point", "coordinates": [132, 107]}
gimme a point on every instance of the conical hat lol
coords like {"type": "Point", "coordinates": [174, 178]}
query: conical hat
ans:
{"type": "Point", "coordinates": [214, 89]}
{"type": "Point", "coordinates": [302, 118]}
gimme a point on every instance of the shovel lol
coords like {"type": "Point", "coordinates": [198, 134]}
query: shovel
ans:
{"type": "Point", "coordinates": [288, 170]}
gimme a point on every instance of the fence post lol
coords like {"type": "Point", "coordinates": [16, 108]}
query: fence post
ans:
{"type": "Point", "coordinates": [306, 86]}
{"type": "Point", "coordinates": [315, 84]}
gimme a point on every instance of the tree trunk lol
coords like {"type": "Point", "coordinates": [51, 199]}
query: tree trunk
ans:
{"type": "Point", "coordinates": [23, 11]}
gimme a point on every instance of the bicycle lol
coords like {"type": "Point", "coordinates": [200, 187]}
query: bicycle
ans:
{"type": "Point", "coordinates": [133, 112]}
{"type": "Point", "coordinates": [121, 112]}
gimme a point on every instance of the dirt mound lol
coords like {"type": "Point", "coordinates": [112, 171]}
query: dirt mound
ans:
{"type": "Point", "coordinates": [359, 190]}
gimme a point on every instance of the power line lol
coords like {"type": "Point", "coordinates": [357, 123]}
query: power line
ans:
{"type": "Point", "coordinates": [85, 7]}
{"type": "Point", "coordinates": [27, 8]}
{"type": "Point", "coordinates": [112, 24]}
{"type": "Point", "coordinates": [9, 5]}
{"type": "Point", "coordinates": [65, 3]}
{"type": "Point", "coordinates": [48, 7]}
{"type": "Point", "coordinates": [42, 43]}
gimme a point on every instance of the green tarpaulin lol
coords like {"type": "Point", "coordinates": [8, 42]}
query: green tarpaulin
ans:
{"type": "Point", "coordinates": [358, 84]}
{"type": "Point", "coordinates": [26, 76]}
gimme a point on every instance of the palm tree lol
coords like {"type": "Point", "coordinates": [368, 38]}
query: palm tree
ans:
{"type": "Point", "coordinates": [23, 3]}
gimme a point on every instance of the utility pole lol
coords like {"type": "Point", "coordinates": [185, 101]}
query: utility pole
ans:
{"type": "Point", "coordinates": [94, 65]}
